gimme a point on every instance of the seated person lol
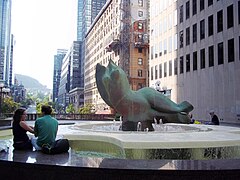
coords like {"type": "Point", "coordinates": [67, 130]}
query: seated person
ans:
{"type": "Point", "coordinates": [45, 129]}
{"type": "Point", "coordinates": [215, 120]}
{"type": "Point", "coordinates": [21, 140]}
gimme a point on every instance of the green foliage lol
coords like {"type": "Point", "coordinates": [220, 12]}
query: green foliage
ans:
{"type": "Point", "coordinates": [70, 109]}
{"type": "Point", "coordinates": [8, 105]}
{"type": "Point", "coordinates": [29, 100]}
{"type": "Point", "coordinates": [39, 105]}
{"type": "Point", "coordinates": [87, 109]}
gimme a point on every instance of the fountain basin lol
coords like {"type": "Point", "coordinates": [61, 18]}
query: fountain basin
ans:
{"type": "Point", "coordinates": [183, 141]}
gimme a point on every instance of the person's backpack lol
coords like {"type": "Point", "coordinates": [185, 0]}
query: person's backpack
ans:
{"type": "Point", "coordinates": [59, 146]}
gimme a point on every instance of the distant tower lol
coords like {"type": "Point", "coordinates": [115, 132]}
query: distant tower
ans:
{"type": "Point", "coordinates": [87, 11]}
{"type": "Point", "coordinates": [11, 61]}
{"type": "Point", "coordinates": [57, 71]}
{"type": "Point", "coordinates": [5, 39]}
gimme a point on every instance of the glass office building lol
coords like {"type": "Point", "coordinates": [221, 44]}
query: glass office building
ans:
{"type": "Point", "coordinates": [5, 39]}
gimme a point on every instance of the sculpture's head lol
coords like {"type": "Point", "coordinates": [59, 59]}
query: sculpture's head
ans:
{"type": "Point", "coordinates": [111, 81]}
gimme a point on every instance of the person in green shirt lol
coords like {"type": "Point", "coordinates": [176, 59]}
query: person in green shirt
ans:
{"type": "Point", "coordinates": [45, 129]}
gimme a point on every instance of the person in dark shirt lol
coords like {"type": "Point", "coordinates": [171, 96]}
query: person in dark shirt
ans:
{"type": "Point", "coordinates": [21, 140]}
{"type": "Point", "coordinates": [215, 120]}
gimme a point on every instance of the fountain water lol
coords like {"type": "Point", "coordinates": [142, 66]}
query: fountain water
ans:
{"type": "Point", "coordinates": [168, 141]}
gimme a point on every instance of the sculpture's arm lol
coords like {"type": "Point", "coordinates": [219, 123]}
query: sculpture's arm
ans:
{"type": "Point", "coordinates": [163, 104]}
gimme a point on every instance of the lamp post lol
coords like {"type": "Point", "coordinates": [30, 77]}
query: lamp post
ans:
{"type": "Point", "coordinates": [3, 90]}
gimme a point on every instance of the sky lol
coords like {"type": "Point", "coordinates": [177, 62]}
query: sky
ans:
{"type": "Point", "coordinates": [40, 28]}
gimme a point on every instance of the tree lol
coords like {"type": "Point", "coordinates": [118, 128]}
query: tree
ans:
{"type": "Point", "coordinates": [40, 104]}
{"type": "Point", "coordinates": [70, 109]}
{"type": "Point", "coordinates": [9, 105]}
{"type": "Point", "coordinates": [87, 109]}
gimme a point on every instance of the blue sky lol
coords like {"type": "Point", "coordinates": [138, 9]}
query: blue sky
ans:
{"type": "Point", "coordinates": [40, 28]}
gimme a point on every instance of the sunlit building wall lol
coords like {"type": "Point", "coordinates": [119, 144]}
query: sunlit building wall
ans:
{"type": "Point", "coordinates": [58, 58]}
{"type": "Point", "coordinates": [87, 11]}
{"type": "Point", "coordinates": [119, 33]}
{"type": "Point", "coordinates": [194, 51]}
{"type": "Point", "coordinates": [70, 74]}
{"type": "Point", "coordinates": [5, 40]}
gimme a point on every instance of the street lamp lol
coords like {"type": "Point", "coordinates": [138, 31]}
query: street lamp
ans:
{"type": "Point", "coordinates": [3, 90]}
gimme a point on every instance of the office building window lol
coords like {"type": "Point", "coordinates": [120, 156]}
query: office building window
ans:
{"type": "Point", "coordinates": [140, 50]}
{"type": "Point", "coordinates": [176, 66]}
{"type": "Point", "coordinates": [140, 13]}
{"type": "Point", "coordinates": [231, 50]}
{"type": "Point", "coordinates": [230, 18]}
{"type": "Point", "coordinates": [170, 44]}
{"type": "Point", "coordinates": [219, 21]}
{"type": "Point", "coordinates": [187, 36]}
{"type": "Point", "coordinates": [187, 10]}
{"type": "Point", "coordinates": [160, 70]}
{"type": "Point", "coordinates": [140, 3]}
{"type": "Point", "coordinates": [165, 46]}
{"type": "Point", "coordinates": [140, 26]}
{"type": "Point", "coordinates": [165, 69]}
{"type": "Point", "coordinates": [139, 73]}
{"type": "Point", "coordinates": [187, 62]}
{"type": "Point", "coordinates": [202, 29]}
{"type": "Point", "coordinates": [201, 5]}
{"type": "Point", "coordinates": [151, 73]}
{"type": "Point", "coordinates": [194, 60]}
{"type": "Point", "coordinates": [181, 38]}
{"type": "Point", "coordinates": [175, 42]}
{"type": "Point", "coordinates": [195, 33]}
{"type": "Point", "coordinates": [194, 7]}
{"type": "Point", "coordinates": [152, 52]}
{"type": "Point", "coordinates": [202, 58]}
{"type": "Point", "coordinates": [210, 2]}
{"type": "Point", "coordinates": [181, 14]}
{"type": "Point", "coordinates": [140, 61]}
{"type": "Point", "coordinates": [220, 53]}
{"type": "Point", "coordinates": [210, 25]}
{"type": "Point", "coordinates": [156, 72]}
{"type": "Point", "coordinates": [160, 48]}
{"type": "Point", "coordinates": [181, 64]}
{"type": "Point", "coordinates": [211, 56]}
{"type": "Point", "coordinates": [170, 68]}
{"type": "Point", "coordinates": [238, 12]}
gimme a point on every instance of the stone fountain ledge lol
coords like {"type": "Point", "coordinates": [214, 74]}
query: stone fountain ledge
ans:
{"type": "Point", "coordinates": [208, 136]}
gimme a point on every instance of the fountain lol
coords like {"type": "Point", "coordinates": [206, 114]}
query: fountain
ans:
{"type": "Point", "coordinates": [138, 136]}
{"type": "Point", "coordinates": [168, 141]}
{"type": "Point", "coordinates": [137, 106]}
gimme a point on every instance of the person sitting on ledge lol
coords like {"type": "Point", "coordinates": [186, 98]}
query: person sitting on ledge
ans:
{"type": "Point", "coordinates": [21, 140]}
{"type": "Point", "coordinates": [215, 120]}
{"type": "Point", "coordinates": [45, 129]}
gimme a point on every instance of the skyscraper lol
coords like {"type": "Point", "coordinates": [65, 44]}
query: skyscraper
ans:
{"type": "Point", "coordinates": [87, 12]}
{"type": "Point", "coordinates": [58, 58]}
{"type": "Point", "coordinates": [5, 39]}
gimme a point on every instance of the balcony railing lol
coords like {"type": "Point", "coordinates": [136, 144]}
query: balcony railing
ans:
{"type": "Point", "coordinates": [86, 117]}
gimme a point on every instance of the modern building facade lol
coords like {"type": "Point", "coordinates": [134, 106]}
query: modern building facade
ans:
{"type": "Point", "coordinates": [70, 74]}
{"type": "Point", "coordinates": [5, 40]}
{"type": "Point", "coordinates": [10, 79]}
{"type": "Point", "coordinates": [87, 12]}
{"type": "Point", "coordinates": [119, 33]}
{"type": "Point", "coordinates": [58, 58]}
{"type": "Point", "coordinates": [194, 52]}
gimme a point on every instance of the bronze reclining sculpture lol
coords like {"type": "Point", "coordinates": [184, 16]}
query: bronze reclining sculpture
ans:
{"type": "Point", "coordinates": [137, 106]}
